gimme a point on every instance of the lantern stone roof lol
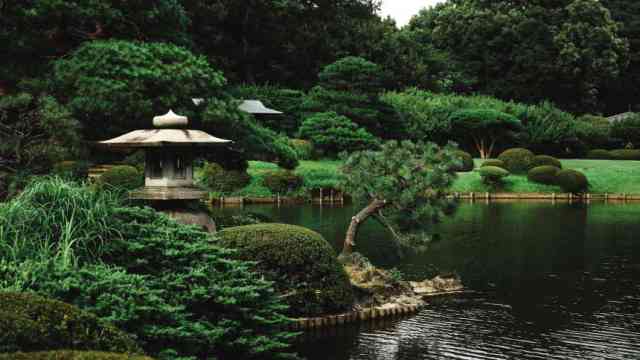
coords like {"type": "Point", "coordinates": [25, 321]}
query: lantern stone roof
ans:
{"type": "Point", "coordinates": [168, 133]}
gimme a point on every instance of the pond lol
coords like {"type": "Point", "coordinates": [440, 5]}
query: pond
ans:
{"type": "Point", "coordinates": [551, 281]}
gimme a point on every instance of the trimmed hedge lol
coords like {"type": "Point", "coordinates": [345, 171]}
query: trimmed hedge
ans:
{"type": "Point", "coordinates": [493, 175]}
{"type": "Point", "coordinates": [32, 323]}
{"type": "Point", "coordinates": [466, 161]}
{"type": "Point", "coordinates": [216, 178]}
{"type": "Point", "coordinates": [625, 154]}
{"type": "Point", "coordinates": [599, 154]}
{"type": "Point", "coordinates": [572, 181]}
{"type": "Point", "coordinates": [493, 162]}
{"type": "Point", "coordinates": [545, 160]}
{"type": "Point", "coordinates": [123, 177]}
{"type": "Point", "coordinates": [545, 174]}
{"type": "Point", "coordinates": [282, 182]}
{"type": "Point", "coordinates": [517, 160]}
{"type": "Point", "coordinates": [71, 355]}
{"type": "Point", "coordinates": [302, 264]}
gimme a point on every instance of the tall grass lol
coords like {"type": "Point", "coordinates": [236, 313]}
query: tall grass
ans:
{"type": "Point", "coordinates": [56, 220]}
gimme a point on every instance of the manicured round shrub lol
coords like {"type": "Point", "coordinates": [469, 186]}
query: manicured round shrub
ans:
{"type": "Point", "coordinates": [542, 160]}
{"type": "Point", "coordinates": [625, 154]}
{"type": "Point", "coordinates": [304, 148]}
{"type": "Point", "coordinates": [545, 174]}
{"type": "Point", "coordinates": [216, 178]}
{"type": "Point", "coordinates": [282, 182]}
{"type": "Point", "coordinates": [302, 264]}
{"type": "Point", "coordinates": [122, 177]}
{"type": "Point", "coordinates": [71, 355]}
{"type": "Point", "coordinates": [493, 162]}
{"type": "Point", "coordinates": [32, 323]}
{"type": "Point", "coordinates": [466, 160]}
{"type": "Point", "coordinates": [493, 175]}
{"type": "Point", "coordinates": [517, 160]}
{"type": "Point", "coordinates": [572, 181]}
{"type": "Point", "coordinates": [599, 154]}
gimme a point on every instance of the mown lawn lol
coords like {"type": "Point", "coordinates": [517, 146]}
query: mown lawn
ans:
{"type": "Point", "coordinates": [605, 176]}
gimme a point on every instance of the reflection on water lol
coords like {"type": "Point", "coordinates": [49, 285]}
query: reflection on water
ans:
{"type": "Point", "coordinates": [553, 282]}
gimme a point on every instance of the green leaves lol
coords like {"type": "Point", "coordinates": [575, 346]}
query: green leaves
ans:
{"type": "Point", "coordinates": [332, 134]}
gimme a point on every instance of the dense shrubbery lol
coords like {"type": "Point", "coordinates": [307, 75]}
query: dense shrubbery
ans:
{"type": "Point", "coordinates": [466, 161]}
{"type": "Point", "coordinates": [303, 148]}
{"type": "Point", "coordinates": [541, 160]}
{"type": "Point", "coordinates": [517, 160]}
{"type": "Point", "coordinates": [122, 178]}
{"type": "Point", "coordinates": [71, 170]}
{"type": "Point", "coordinates": [71, 355]}
{"type": "Point", "coordinates": [599, 154]}
{"type": "Point", "coordinates": [301, 263]}
{"type": "Point", "coordinates": [625, 154]}
{"type": "Point", "coordinates": [225, 220]}
{"type": "Point", "coordinates": [215, 178]}
{"type": "Point", "coordinates": [493, 175]}
{"type": "Point", "coordinates": [494, 162]}
{"type": "Point", "coordinates": [332, 133]}
{"type": "Point", "coordinates": [163, 282]}
{"type": "Point", "coordinates": [282, 182]}
{"type": "Point", "coordinates": [572, 181]}
{"type": "Point", "coordinates": [31, 323]}
{"type": "Point", "coordinates": [544, 174]}
{"type": "Point", "coordinates": [627, 130]}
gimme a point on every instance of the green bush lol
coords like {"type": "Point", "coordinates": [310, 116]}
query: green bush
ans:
{"type": "Point", "coordinates": [628, 130]}
{"type": "Point", "coordinates": [332, 134]}
{"type": "Point", "coordinates": [493, 175]}
{"type": "Point", "coordinates": [466, 161]}
{"type": "Point", "coordinates": [32, 323]}
{"type": "Point", "coordinates": [304, 148]}
{"type": "Point", "coordinates": [71, 355]}
{"type": "Point", "coordinates": [136, 159]}
{"type": "Point", "coordinates": [517, 160]}
{"type": "Point", "coordinates": [282, 182]}
{"type": "Point", "coordinates": [545, 174]}
{"type": "Point", "coordinates": [71, 170]}
{"type": "Point", "coordinates": [493, 162]}
{"type": "Point", "coordinates": [225, 220]}
{"type": "Point", "coordinates": [625, 154]}
{"type": "Point", "coordinates": [218, 179]}
{"type": "Point", "coordinates": [303, 266]}
{"type": "Point", "coordinates": [572, 181]}
{"type": "Point", "coordinates": [542, 160]}
{"type": "Point", "coordinates": [168, 284]}
{"type": "Point", "coordinates": [122, 178]}
{"type": "Point", "coordinates": [599, 154]}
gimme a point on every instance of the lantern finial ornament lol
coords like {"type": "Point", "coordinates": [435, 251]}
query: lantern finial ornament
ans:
{"type": "Point", "coordinates": [170, 120]}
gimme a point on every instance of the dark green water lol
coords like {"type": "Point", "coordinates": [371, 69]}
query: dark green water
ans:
{"type": "Point", "coordinates": [552, 282]}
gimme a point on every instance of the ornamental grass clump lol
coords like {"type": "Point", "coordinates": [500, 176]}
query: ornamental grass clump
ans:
{"type": "Point", "coordinates": [302, 264]}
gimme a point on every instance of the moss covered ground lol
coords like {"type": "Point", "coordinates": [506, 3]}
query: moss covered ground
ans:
{"type": "Point", "coordinates": [605, 176]}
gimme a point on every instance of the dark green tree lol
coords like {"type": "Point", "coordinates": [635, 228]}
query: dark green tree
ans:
{"type": "Point", "coordinates": [332, 134]}
{"type": "Point", "coordinates": [484, 127]}
{"type": "Point", "coordinates": [403, 185]}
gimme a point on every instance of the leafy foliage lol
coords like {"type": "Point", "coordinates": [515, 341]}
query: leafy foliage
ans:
{"type": "Point", "coordinates": [282, 182]}
{"type": "Point", "coordinates": [466, 161]}
{"type": "Point", "coordinates": [301, 263]}
{"type": "Point", "coordinates": [493, 176]}
{"type": "Point", "coordinates": [542, 160]}
{"type": "Point", "coordinates": [572, 181]}
{"type": "Point", "coordinates": [543, 174]}
{"type": "Point", "coordinates": [122, 178]}
{"type": "Point", "coordinates": [215, 178]}
{"type": "Point", "coordinates": [628, 130]}
{"type": "Point", "coordinates": [71, 355]}
{"type": "Point", "coordinates": [625, 154]}
{"type": "Point", "coordinates": [494, 162]}
{"type": "Point", "coordinates": [485, 127]}
{"type": "Point", "coordinates": [332, 133]}
{"type": "Point", "coordinates": [31, 323]}
{"type": "Point", "coordinates": [517, 160]}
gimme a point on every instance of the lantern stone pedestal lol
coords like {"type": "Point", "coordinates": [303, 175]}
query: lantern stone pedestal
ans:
{"type": "Point", "coordinates": [169, 152]}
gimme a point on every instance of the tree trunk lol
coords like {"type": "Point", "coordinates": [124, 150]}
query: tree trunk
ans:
{"type": "Point", "coordinates": [349, 240]}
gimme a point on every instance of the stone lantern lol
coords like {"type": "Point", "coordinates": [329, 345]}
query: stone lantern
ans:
{"type": "Point", "coordinates": [169, 152]}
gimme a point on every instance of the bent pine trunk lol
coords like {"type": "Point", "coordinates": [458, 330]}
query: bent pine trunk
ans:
{"type": "Point", "coordinates": [349, 240]}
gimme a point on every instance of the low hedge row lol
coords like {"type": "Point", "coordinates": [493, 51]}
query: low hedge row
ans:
{"type": "Point", "coordinates": [71, 355]}
{"type": "Point", "coordinates": [620, 154]}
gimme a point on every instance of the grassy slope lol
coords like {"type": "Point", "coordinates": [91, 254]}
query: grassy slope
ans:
{"type": "Point", "coordinates": [610, 176]}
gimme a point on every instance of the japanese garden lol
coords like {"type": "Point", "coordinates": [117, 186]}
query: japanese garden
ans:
{"type": "Point", "coordinates": [289, 179]}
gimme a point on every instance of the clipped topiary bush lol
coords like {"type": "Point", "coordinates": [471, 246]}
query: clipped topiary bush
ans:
{"type": "Point", "coordinates": [493, 175]}
{"type": "Point", "coordinates": [542, 160]}
{"type": "Point", "coordinates": [70, 355]}
{"type": "Point", "coordinates": [32, 323]}
{"type": "Point", "coordinates": [216, 178]}
{"type": "Point", "coordinates": [545, 174]}
{"type": "Point", "coordinates": [493, 162]}
{"type": "Point", "coordinates": [122, 178]}
{"type": "Point", "coordinates": [282, 182]}
{"type": "Point", "coordinates": [572, 181]}
{"type": "Point", "coordinates": [599, 154]}
{"type": "Point", "coordinates": [302, 264]}
{"type": "Point", "coordinates": [517, 160]}
{"type": "Point", "coordinates": [625, 154]}
{"type": "Point", "coordinates": [466, 160]}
